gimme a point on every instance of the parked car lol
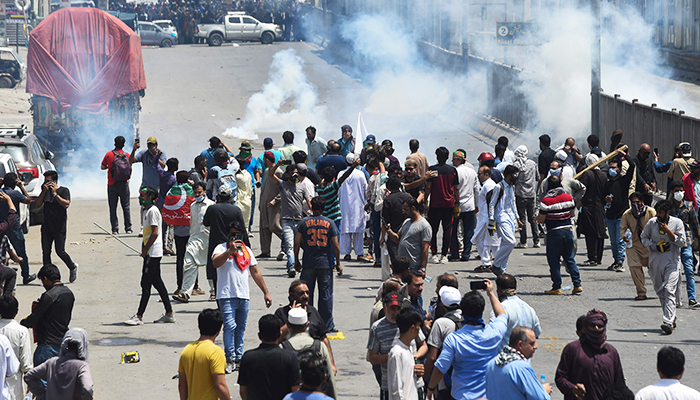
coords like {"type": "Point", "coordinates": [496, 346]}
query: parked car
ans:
{"type": "Point", "coordinates": [238, 26]}
{"type": "Point", "coordinates": [152, 34]}
{"type": "Point", "coordinates": [31, 160]}
{"type": "Point", "coordinates": [167, 26]}
{"type": "Point", "coordinates": [12, 68]}
{"type": "Point", "coordinates": [7, 164]}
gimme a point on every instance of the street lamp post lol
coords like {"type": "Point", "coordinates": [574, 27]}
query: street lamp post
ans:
{"type": "Point", "coordinates": [595, 69]}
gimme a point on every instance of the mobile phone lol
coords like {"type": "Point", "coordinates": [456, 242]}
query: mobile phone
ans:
{"type": "Point", "coordinates": [286, 162]}
{"type": "Point", "coordinates": [237, 236]}
{"type": "Point", "coordinates": [477, 285]}
{"type": "Point", "coordinates": [137, 140]}
{"type": "Point", "coordinates": [656, 151]}
{"type": "Point", "coordinates": [292, 298]}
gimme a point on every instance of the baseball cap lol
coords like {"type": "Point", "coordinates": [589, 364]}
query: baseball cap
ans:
{"type": "Point", "coordinates": [152, 139]}
{"type": "Point", "coordinates": [270, 156]}
{"type": "Point", "coordinates": [450, 296]}
{"type": "Point", "coordinates": [350, 158]}
{"type": "Point", "coordinates": [686, 150]}
{"type": "Point", "coordinates": [225, 190]}
{"type": "Point", "coordinates": [245, 145]}
{"type": "Point", "coordinates": [370, 139]}
{"type": "Point", "coordinates": [694, 164]}
{"type": "Point", "coordinates": [268, 142]}
{"type": "Point", "coordinates": [297, 316]}
{"type": "Point", "coordinates": [302, 169]}
{"type": "Point", "coordinates": [459, 154]}
{"type": "Point", "coordinates": [485, 156]}
{"type": "Point", "coordinates": [220, 155]}
{"type": "Point", "coordinates": [391, 299]}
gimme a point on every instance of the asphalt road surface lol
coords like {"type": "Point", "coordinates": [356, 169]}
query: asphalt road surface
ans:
{"type": "Point", "coordinates": [197, 91]}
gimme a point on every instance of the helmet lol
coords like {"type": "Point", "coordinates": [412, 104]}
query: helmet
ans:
{"type": "Point", "coordinates": [484, 156]}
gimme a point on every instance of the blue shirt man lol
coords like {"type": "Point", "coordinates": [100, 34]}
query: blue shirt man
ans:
{"type": "Point", "coordinates": [251, 163]}
{"type": "Point", "coordinates": [214, 143]}
{"type": "Point", "coordinates": [149, 158]}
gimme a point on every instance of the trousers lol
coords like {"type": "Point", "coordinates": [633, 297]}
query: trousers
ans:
{"type": "Point", "coordinates": [289, 228]}
{"type": "Point", "coordinates": [616, 242]}
{"type": "Point", "coordinates": [9, 276]}
{"type": "Point", "coordinates": [436, 217]}
{"type": "Point", "coordinates": [506, 231]}
{"type": "Point", "coordinates": [150, 277]}
{"type": "Point", "coordinates": [180, 250]}
{"type": "Point", "coordinates": [376, 218]}
{"type": "Point", "coordinates": [235, 313]}
{"type": "Point", "coordinates": [560, 244]}
{"type": "Point", "coordinates": [58, 240]}
{"type": "Point", "coordinates": [594, 246]}
{"type": "Point", "coordinates": [468, 221]}
{"type": "Point", "coordinates": [16, 237]}
{"type": "Point", "coordinates": [118, 193]}
{"type": "Point", "coordinates": [324, 278]}
{"type": "Point", "coordinates": [666, 279]}
{"type": "Point", "coordinates": [350, 241]}
{"type": "Point", "coordinates": [526, 212]}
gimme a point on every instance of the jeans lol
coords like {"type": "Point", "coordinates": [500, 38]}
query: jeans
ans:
{"type": "Point", "coordinates": [119, 193]}
{"type": "Point", "coordinates": [289, 230]}
{"type": "Point", "coordinates": [43, 352]}
{"type": "Point", "coordinates": [48, 238]}
{"type": "Point", "coordinates": [235, 313]}
{"type": "Point", "coordinates": [560, 244]}
{"type": "Point", "coordinates": [444, 216]}
{"type": "Point", "coordinates": [688, 268]}
{"type": "Point", "coordinates": [180, 250]}
{"type": "Point", "coordinates": [526, 213]}
{"type": "Point", "coordinates": [616, 242]}
{"type": "Point", "coordinates": [324, 277]}
{"type": "Point", "coordinates": [9, 276]}
{"type": "Point", "coordinates": [150, 277]}
{"type": "Point", "coordinates": [468, 221]}
{"type": "Point", "coordinates": [16, 237]}
{"type": "Point", "coordinates": [376, 217]}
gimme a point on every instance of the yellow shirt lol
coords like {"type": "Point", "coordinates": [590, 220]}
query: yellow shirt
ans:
{"type": "Point", "coordinates": [199, 361]}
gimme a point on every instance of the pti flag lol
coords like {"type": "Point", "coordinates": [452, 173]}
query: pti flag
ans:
{"type": "Point", "coordinates": [176, 208]}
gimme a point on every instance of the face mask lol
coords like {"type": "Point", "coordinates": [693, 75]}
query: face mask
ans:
{"type": "Point", "coordinates": [678, 196]}
{"type": "Point", "coordinates": [612, 172]}
{"type": "Point", "coordinates": [245, 154]}
{"type": "Point", "coordinates": [199, 199]}
{"type": "Point", "coordinates": [555, 172]}
{"type": "Point", "coordinates": [145, 202]}
{"type": "Point", "coordinates": [645, 156]}
{"type": "Point", "coordinates": [295, 177]}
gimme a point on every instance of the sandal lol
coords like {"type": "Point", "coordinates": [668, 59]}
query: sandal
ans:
{"type": "Point", "coordinates": [212, 298]}
{"type": "Point", "coordinates": [589, 263]}
{"type": "Point", "coordinates": [182, 298]}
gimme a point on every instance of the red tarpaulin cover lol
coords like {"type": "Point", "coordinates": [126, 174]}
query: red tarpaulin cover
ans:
{"type": "Point", "coordinates": [83, 58]}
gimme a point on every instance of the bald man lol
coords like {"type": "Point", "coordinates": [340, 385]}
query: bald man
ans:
{"type": "Point", "coordinates": [646, 180]}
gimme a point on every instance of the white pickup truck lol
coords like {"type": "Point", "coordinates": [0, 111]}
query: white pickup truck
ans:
{"type": "Point", "coordinates": [238, 26]}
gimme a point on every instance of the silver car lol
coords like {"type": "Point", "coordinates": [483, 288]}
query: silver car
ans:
{"type": "Point", "coordinates": [152, 34]}
{"type": "Point", "coordinates": [167, 26]}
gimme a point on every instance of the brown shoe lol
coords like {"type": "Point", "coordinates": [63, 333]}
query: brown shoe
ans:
{"type": "Point", "coordinates": [553, 291]}
{"type": "Point", "coordinates": [198, 292]}
{"type": "Point", "coordinates": [640, 298]}
{"type": "Point", "coordinates": [577, 290]}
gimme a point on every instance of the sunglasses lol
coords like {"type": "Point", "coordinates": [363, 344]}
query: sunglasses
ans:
{"type": "Point", "coordinates": [409, 169]}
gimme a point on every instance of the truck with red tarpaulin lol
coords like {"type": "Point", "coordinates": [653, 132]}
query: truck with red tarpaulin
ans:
{"type": "Point", "coordinates": [85, 73]}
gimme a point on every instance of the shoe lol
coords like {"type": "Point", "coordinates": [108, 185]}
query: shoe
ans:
{"type": "Point", "coordinates": [496, 271]}
{"type": "Point", "coordinates": [482, 268]}
{"type": "Point", "coordinates": [675, 323]}
{"type": "Point", "coordinates": [250, 235]}
{"type": "Point", "coordinates": [693, 304]}
{"type": "Point", "coordinates": [667, 328]}
{"type": "Point", "coordinates": [177, 292]}
{"type": "Point", "coordinates": [589, 263]}
{"type": "Point", "coordinates": [237, 365]}
{"type": "Point", "coordinates": [577, 290]}
{"type": "Point", "coordinates": [133, 321]}
{"type": "Point", "coordinates": [619, 268]}
{"type": "Point", "coordinates": [464, 258]}
{"type": "Point", "coordinates": [198, 292]}
{"type": "Point", "coordinates": [29, 279]}
{"type": "Point", "coordinates": [168, 252]}
{"type": "Point", "coordinates": [521, 246]}
{"type": "Point", "coordinates": [536, 245]}
{"type": "Point", "coordinates": [281, 256]}
{"type": "Point", "coordinates": [115, 233]}
{"type": "Point", "coordinates": [141, 233]}
{"type": "Point", "coordinates": [640, 298]}
{"type": "Point", "coordinates": [212, 297]}
{"type": "Point", "coordinates": [377, 265]}
{"type": "Point", "coordinates": [262, 255]}
{"type": "Point", "coordinates": [165, 318]}
{"type": "Point", "coordinates": [478, 257]}
{"type": "Point", "coordinates": [443, 259]}
{"type": "Point", "coordinates": [73, 273]}
{"type": "Point", "coordinates": [612, 266]}
{"type": "Point", "coordinates": [128, 231]}
{"type": "Point", "coordinates": [230, 366]}
{"type": "Point", "coordinates": [346, 258]}
{"type": "Point", "coordinates": [182, 298]}
{"type": "Point", "coordinates": [334, 330]}
{"type": "Point", "coordinates": [553, 291]}
{"type": "Point", "coordinates": [435, 259]}
{"type": "Point", "coordinates": [367, 258]}
{"type": "Point", "coordinates": [291, 273]}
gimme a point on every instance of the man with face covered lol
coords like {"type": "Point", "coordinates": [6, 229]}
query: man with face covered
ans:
{"type": "Point", "coordinates": [683, 210]}
{"type": "Point", "coordinates": [634, 220]}
{"type": "Point", "coordinates": [589, 365]}
{"type": "Point", "coordinates": [149, 158]}
{"type": "Point", "coordinates": [664, 236]}
{"type": "Point", "coordinates": [646, 180]}
{"type": "Point", "coordinates": [616, 192]}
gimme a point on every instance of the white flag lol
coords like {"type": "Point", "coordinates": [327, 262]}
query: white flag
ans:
{"type": "Point", "coordinates": [360, 134]}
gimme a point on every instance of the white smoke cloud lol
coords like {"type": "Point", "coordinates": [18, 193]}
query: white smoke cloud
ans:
{"type": "Point", "coordinates": [288, 88]}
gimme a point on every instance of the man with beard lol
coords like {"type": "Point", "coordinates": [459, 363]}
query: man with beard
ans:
{"type": "Point", "coordinates": [591, 218]}
{"type": "Point", "coordinates": [485, 242]}
{"type": "Point", "coordinates": [616, 192]}
{"type": "Point", "coordinates": [646, 180]}
{"type": "Point", "coordinates": [664, 236]}
{"type": "Point", "coordinates": [589, 365]}
{"type": "Point", "coordinates": [634, 220]}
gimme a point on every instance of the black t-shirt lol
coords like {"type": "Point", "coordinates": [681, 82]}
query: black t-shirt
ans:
{"type": "Point", "coordinates": [415, 192]}
{"type": "Point", "coordinates": [317, 328]}
{"type": "Point", "coordinates": [544, 160]}
{"type": "Point", "coordinates": [392, 210]}
{"type": "Point", "coordinates": [55, 215]}
{"type": "Point", "coordinates": [218, 218]}
{"type": "Point", "coordinates": [269, 372]}
{"type": "Point", "coordinates": [317, 235]}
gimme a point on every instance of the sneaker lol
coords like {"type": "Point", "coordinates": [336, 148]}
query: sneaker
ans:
{"type": "Point", "coordinates": [443, 259]}
{"type": "Point", "coordinates": [667, 328]}
{"type": "Point", "coordinates": [577, 290]}
{"type": "Point", "coordinates": [133, 321]}
{"type": "Point", "coordinates": [141, 233]}
{"type": "Point", "coordinates": [612, 266]}
{"type": "Point", "coordinates": [115, 233]}
{"type": "Point", "coordinates": [281, 256]}
{"type": "Point", "coordinates": [73, 273]}
{"type": "Point", "coordinates": [250, 235]}
{"type": "Point", "coordinates": [29, 279]}
{"type": "Point", "coordinates": [693, 304]}
{"type": "Point", "coordinates": [291, 273]}
{"type": "Point", "coordinates": [435, 259]}
{"type": "Point", "coordinates": [262, 255]}
{"type": "Point", "coordinates": [230, 366]}
{"type": "Point", "coordinates": [237, 365]}
{"type": "Point", "coordinates": [589, 263]}
{"type": "Point", "coordinates": [521, 246]}
{"type": "Point", "coordinates": [553, 291]}
{"type": "Point", "coordinates": [536, 245]}
{"type": "Point", "coordinates": [165, 318]}
{"type": "Point", "coordinates": [619, 268]}
{"type": "Point", "coordinates": [198, 292]}
{"type": "Point", "coordinates": [128, 231]}
{"type": "Point", "coordinates": [367, 258]}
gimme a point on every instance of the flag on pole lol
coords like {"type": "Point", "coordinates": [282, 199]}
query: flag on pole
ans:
{"type": "Point", "coordinates": [360, 135]}
{"type": "Point", "coordinates": [176, 208]}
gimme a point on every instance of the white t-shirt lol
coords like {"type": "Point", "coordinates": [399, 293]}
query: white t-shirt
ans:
{"type": "Point", "coordinates": [231, 281]}
{"type": "Point", "coordinates": [668, 389]}
{"type": "Point", "coordinates": [151, 218]}
{"type": "Point", "coordinates": [468, 187]}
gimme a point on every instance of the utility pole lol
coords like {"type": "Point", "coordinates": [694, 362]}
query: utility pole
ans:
{"type": "Point", "coordinates": [595, 69]}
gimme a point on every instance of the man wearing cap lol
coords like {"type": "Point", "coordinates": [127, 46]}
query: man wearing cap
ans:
{"type": "Point", "coordinates": [352, 206]}
{"type": "Point", "coordinates": [289, 148]}
{"type": "Point", "coordinates": [223, 173]}
{"type": "Point", "coordinates": [449, 298]}
{"type": "Point", "coordinates": [486, 159]}
{"type": "Point", "coordinates": [370, 140]}
{"type": "Point", "coordinates": [681, 166]}
{"type": "Point", "coordinates": [346, 141]}
{"type": "Point", "coordinates": [383, 335]}
{"type": "Point", "coordinates": [269, 208]}
{"type": "Point", "coordinates": [149, 158]}
{"type": "Point", "coordinates": [331, 159]}
{"type": "Point", "coordinates": [420, 159]}
{"type": "Point", "coordinates": [567, 171]}
{"type": "Point", "coordinates": [293, 194]}
{"type": "Point", "coordinates": [315, 146]}
{"type": "Point", "coordinates": [267, 144]}
{"type": "Point", "coordinates": [214, 144]}
{"type": "Point", "coordinates": [465, 213]}
{"type": "Point", "coordinates": [250, 164]}
{"type": "Point", "coordinates": [300, 340]}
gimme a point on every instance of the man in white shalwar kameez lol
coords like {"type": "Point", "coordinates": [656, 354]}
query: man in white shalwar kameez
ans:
{"type": "Point", "coordinates": [352, 206]}
{"type": "Point", "coordinates": [485, 243]}
{"type": "Point", "coordinates": [502, 209]}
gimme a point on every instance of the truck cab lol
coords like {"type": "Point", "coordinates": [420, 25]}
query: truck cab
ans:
{"type": "Point", "coordinates": [12, 69]}
{"type": "Point", "coordinates": [238, 26]}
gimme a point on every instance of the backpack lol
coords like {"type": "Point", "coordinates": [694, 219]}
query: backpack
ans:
{"type": "Point", "coordinates": [489, 195]}
{"type": "Point", "coordinates": [225, 177]}
{"type": "Point", "coordinates": [121, 167]}
{"type": "Point", "coordinates": [326, 387]}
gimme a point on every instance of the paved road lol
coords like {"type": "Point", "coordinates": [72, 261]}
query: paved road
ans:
{"type": "Point", "coordinates": [189, 84]}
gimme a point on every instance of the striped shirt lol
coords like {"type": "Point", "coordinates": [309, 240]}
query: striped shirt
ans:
{"type": "Point", "coordinates": [330, 194]}
{"type": "Point", "coordinates": [557, 206]}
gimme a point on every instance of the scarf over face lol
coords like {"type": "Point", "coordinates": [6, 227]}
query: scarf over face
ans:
{"type": "Point", "coordinates": [592, 335]}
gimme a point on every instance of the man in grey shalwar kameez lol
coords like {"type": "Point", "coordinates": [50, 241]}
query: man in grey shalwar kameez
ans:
{"type": "Point", "coordinates": [664, 236]}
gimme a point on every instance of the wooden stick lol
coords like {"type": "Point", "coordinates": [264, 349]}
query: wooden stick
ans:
{"type": "Point", "coordinates": [119, 240]}
{"type": "Point", "coordinates": [621, 150]}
